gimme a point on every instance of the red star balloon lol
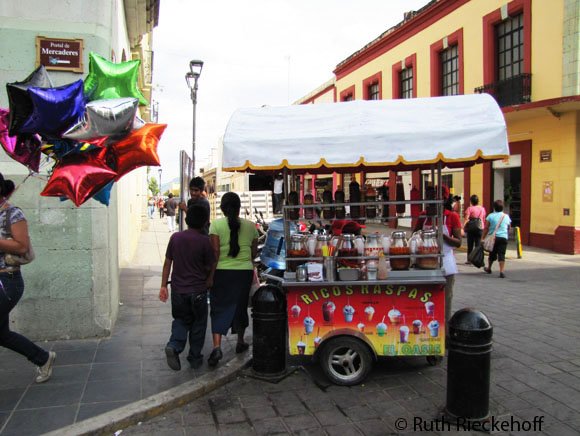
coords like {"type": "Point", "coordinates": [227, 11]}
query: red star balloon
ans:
{"type": "Point", "coordinates": [79, 177]}
{"type": "Point", "coordinates": [137, 149]}
{"type": "Point", "coordinates": [110, 80]}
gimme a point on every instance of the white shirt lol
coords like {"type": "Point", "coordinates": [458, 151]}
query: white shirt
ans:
{"type": "Point", "coordinates": [278, 186]}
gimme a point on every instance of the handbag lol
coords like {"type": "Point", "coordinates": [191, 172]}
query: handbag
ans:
{"type": "Point", "coordinates": [474, 224]}
{"type": "Point", "coordinates": [489, 240]}
{"type": "Point", "coordinates": [476, 257]}
{"type": "Point", "coordinates": [16, 259]}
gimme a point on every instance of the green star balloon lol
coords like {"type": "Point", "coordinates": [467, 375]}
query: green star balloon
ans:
{"type": "Point", "coordinates": [109, 80]}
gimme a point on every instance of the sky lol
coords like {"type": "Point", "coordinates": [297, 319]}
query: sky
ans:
{"type": "Point", "coordinates": [255, 53]}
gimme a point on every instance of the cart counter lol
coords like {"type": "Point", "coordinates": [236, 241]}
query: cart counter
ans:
{"type": "Point", "coordinates": [401, 316]}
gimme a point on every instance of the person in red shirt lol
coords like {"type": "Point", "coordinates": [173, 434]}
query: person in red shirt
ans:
{"type": "Point", "coordinates": [451, 240]}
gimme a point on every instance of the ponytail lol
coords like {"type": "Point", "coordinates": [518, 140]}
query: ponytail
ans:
{"type": "Point", "coordinates": [230, 206]}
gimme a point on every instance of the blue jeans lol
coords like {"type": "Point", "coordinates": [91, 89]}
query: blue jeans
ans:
{"type": "Point", "coordinates": [189, 313]}
{"type": "Point", "coordinates": [11, 290]}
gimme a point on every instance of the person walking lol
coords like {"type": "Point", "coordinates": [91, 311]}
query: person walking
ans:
{"type": "Point", "coordinates": [151, 207]}
{"type": "Point", "coordinates": [474, 218]}
{"type": "Point", "coordinates": [234, 241]}
{"type": "Point", "coordinates": [499, 222]}
{"type": "Point", "coordinates": [278, 192]}
{"type": "Point", "coordinates": [170, 209]}
{"type": "Point", "coordinates": [196, 194]}
{"type": "Point", "coordinates": [192, 257]}
{"type": "Point", "coordinates": [161, 206]}
{"type": "Point", "coordinates": [15, 227]}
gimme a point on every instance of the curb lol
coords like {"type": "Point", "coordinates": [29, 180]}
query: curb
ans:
{"type": "Point", "coordinates": [147, 408]}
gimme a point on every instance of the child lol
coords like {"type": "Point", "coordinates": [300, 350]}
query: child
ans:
{"type": "Point", "coordinates": [192, 257]}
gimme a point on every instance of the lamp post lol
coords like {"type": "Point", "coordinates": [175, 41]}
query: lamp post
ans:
{"type": "Point", "coordinates": [191, 78]}
{"type": "Point", "coordinates": [160, 171]}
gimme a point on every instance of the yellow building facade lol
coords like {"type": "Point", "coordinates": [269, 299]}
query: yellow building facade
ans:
{"type": "Point", "coordinates": [526, 53]}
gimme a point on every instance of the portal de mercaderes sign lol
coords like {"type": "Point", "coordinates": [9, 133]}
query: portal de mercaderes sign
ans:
{"type": "Point", "coordinates": [60, 54]}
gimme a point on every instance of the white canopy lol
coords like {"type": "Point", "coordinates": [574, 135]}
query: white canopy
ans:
{"type": "Point", "coordinates": [367, 135]}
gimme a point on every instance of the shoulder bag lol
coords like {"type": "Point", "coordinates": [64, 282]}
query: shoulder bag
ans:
{"type": "Point", "coordinates": [15, 259]}
{"type": "Point", "coordinates": [489, 240]}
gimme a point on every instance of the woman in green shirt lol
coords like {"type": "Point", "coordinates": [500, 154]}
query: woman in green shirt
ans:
{"type": "Point", "coordinates": [235, 241]}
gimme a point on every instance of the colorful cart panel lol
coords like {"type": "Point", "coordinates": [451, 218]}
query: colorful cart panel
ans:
{"type": "Point", "coordinates": [396, 320]}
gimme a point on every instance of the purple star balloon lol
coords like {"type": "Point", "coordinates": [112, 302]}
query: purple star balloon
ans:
{"type": "Point", "coordinates": [54, 109]}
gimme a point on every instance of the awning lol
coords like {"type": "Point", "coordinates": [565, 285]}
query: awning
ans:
{"type": "Point", "coordinates": [366, 135]}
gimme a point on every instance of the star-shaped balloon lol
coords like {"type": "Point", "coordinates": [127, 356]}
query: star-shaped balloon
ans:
{"type": "Point", "coordinates": [79, 176]}
{"type": "Point", "coordinates": [104, 118]}
{"type": "Point", "coordinates": [137, 149]}
{"type": "Point", "coordinates": [22, 148]}
{"type": "Point", "coordinates": [108, 80]}
{"type": "Point", "coordinates": [54, 109]}
{"type": "Point", "coordinates": [104, 195]}
{"type": "Point", "coordinates": [59, 148]}
{"type": "Point", "coordinates": [19, 100]}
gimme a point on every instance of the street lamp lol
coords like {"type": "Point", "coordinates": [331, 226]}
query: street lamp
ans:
{"type": "Point", "coordinates": [160, 171]}
{"type": "Point", "coordinates": [191, 78]}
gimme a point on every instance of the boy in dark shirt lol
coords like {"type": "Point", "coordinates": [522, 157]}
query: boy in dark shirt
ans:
{"type": "Point", "coordinates": [196, 189]}
{"type": "Point", "coordinates": [192, 257]}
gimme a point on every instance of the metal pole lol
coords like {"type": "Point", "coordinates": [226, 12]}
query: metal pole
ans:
{"type": "Point", "coordinates": [194, 102]}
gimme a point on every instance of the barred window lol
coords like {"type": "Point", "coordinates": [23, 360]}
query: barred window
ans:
{"type": "Point", "coordinates": [373, 91]}
{"type": "Point", "coordinates": [449, 59]}
{"type": "Point", "coordinates": [510, 47]}
{"type": "Point", "coordinates": [406, 83]}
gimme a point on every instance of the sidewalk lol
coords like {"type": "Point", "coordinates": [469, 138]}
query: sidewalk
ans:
{"type": "Point", "coordinates": [94, 376]}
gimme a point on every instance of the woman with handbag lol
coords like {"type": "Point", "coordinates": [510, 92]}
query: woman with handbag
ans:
{"type": "Point", "coordinates": [473, 224]}
{"type": "Point", "coordinates": [498, 224]}
{"type": "Point", "coordinates": [14, 240]}
{"type": "Point", "coordinates": [235, 242]}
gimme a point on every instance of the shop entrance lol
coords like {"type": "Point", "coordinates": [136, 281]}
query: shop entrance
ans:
{"type": "Point", "coordinates": [507, 186]}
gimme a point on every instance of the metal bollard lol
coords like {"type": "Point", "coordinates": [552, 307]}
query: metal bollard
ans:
{"type": "Point", "coordinates": [270, 321]}
{"type": "Point", "coordinates": [468, 366]}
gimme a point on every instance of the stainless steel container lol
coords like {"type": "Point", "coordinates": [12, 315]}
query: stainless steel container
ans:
{"type": "Point", "coordinates": [329, 264]}
{"type": "Point", "coordinates": [302, 273]}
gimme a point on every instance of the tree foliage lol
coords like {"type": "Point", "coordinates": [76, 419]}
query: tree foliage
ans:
{"type": "Point", "coordinates": [153, 186]}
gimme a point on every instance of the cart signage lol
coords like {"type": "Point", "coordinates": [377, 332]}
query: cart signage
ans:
{"type": "Point", "coordinates": [396, 320]}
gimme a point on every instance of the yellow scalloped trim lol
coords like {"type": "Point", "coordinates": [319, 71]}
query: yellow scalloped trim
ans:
{"type": "Point", "coordinates": [248, 166]}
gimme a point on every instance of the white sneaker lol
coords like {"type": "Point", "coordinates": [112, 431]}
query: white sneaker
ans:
{"type": "Point", "coordinates": [45, 371]}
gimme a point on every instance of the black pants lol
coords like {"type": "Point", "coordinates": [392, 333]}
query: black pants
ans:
{"type": "Point", "coordinates": [499, 249]}
{"type": "Point", "coordinates": [473, 240]}
{"type": "Point", "coordinates": [278, 198]}
{"type": "Point", "coordinates": [189, 313]}
{"type": "Point", "coordinates": [11, 290]}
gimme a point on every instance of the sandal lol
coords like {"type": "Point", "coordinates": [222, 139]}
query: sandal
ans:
{"type": "Point", "coordinates": [487, 270]}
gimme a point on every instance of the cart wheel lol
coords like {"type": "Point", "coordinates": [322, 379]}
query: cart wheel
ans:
{"type": "Point", "coordinates": [346, 361]}
{"type": "Point", "coordinates": [434, 360]}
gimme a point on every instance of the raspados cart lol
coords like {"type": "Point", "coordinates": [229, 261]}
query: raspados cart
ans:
{"type": "Point", "coordinates": [349, 323]}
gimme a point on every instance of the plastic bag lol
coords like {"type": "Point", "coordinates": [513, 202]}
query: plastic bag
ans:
{"type": "Point", "coordinates": [255, 285]}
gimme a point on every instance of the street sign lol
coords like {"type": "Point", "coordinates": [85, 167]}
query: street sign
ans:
{"type": "Point", "coordinates": [60, 54]}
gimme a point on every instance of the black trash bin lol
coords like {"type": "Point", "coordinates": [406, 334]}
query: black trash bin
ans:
{"type": "Point", "coordinates": [469, 365]}
{"type": "Point", "coordinates": [270, 321]}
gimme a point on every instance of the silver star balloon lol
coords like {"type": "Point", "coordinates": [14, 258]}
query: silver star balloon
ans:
{"type": "Point", "coordinates": [105, 118]}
